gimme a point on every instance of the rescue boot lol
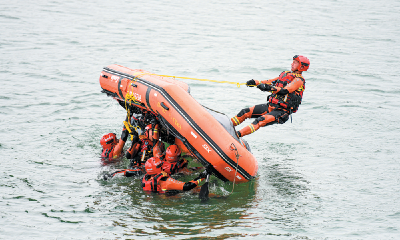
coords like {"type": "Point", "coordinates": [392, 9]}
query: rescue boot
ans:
{"type": "Point", "coordinates": [248, 129]}
{"type": "Point", "coordinates": [241, 116]}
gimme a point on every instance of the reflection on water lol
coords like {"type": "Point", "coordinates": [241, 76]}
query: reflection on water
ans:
{"type": "Point", "coordinates": [284, 198]}
{"type": "Point", "coordinates": [181, 214]}
{"type": "Point", "coordinates": [277, 203]}
{"type": "Point", "coordinates": [286, 181]}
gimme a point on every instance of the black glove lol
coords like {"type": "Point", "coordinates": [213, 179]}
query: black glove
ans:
{"type": "Point", "coordinates": [107, 176]}
{"type": "Point", "coordinates": [124, 135]}
{"type": "Point", "coordinates": [251, 83]}
{"type": "Point", "coordinates": [135, 137]}
{"type": "Point", "coordinates": [283, 91]}
{"type": "Point", "coordinates": [203, 174]}
{"type": "Point", "coordinates": [264, 87]}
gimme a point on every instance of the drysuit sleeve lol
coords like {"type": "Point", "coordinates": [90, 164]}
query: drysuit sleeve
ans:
{"type": "Point", "coordinates": [291, 87]}
{"type": "Point", "coordinates": [172, 184]}
{"type": "Point", "coordinates": [133, 150]}
{"type": "Point", "coordinates": [121, 143]}
{"type": "Point", "coordinates": [269, 81]}
{"type": "Point", "coordinates": [158, 149]}
{"type": "Point", "coordinates": [118, 149]}
{"type": "Point", "coordinates": [294, 85]}
{"type": "Point", "coordinates": [128, 172]}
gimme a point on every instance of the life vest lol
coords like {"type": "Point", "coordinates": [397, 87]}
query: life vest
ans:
{"type": "Point", "coordinates": [172, 168]}
{"type": "Point", "coordinates": [150, 183]}
{"type": "Point", "coordinates": [291, 101]}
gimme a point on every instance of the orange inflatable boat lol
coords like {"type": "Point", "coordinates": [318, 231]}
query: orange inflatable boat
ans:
{"type": "Point", "coordinates": [206, 134]}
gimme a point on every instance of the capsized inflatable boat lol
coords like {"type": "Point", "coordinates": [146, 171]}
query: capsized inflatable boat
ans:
{"type": "Point", "coordinates": [206, 134]}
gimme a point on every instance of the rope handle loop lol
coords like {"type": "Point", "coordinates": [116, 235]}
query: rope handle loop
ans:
{"type": "Point", "coordinates": [232, 147]}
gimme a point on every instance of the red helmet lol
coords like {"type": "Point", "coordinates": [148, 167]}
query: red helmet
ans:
{"type": "Point", "coordinates": [108, 140]}
{"type": "Point", "coordinates": [173, 153]}
{"type": "Point", "coordinates": [153, 166]}
{"type": "Point", "coordinates": [304, 62]}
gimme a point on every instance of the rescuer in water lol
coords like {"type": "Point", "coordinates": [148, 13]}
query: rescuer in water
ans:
{"type": "Point", "coordinates": [159, 181]}
{"type": "Point", "coordinates": [287, 92]}
{"type": "Point", "coordinates": [112, 146]}
{"type": "Point", "coordinates": [142, 147]}
{"type": "Point", "coordinates": [140, 150]}
{"type": "Point", "coordinates": [173, 163]}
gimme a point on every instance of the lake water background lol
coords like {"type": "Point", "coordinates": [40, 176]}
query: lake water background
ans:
{"type": "Point", "coordinates": [331, 173]}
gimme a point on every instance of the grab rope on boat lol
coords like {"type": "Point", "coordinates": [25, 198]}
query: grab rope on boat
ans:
{"type": "Point", "coordinates": [131, 98]}
{"type": "Point", "coordinates": [233, 148]}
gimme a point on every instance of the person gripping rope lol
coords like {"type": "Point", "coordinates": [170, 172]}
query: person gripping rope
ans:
{"type": "Point", "coordinates": [141, 149]}
{"type": "Point", "coordinates": [287, 93]}
{"type": "Point", "coordinates": [112, 146]}
{"type": "Point", "coordinates": [159, 181]}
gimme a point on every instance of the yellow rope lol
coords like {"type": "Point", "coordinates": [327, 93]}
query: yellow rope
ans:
{"type": "Point", "coordinates": [196, 79]}
{"type": "Point", "coordinates": [205, 80]}
{"type": "Point", "coordinates": [132, 98]}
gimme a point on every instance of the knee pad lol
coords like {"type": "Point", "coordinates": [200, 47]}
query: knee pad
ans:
{"type": "Point", "coordinates": [259, 119]}
{"type": "Point", "coordinates": [265, 120]}
{"type": "Point", "coordinates": [283, 118]}
{"type": "Point", "coordinates": [243, 112]}
{"type": "Point", "coordinates": [260, 109]}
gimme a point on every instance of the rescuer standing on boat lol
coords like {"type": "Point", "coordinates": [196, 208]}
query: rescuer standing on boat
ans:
{"type": "Point", "coordinates": [287, 92]}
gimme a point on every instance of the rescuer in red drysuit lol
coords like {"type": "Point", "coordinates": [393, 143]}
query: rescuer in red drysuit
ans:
{"type": "Point", "coordinates": [112, 147]}
{"type": "Point", "coordinates": [173, 163]}
{"type": "Point", "coordinates": [158, 181]}
{"type": "Point", "coordinates": [287, 92]}
{"type": "Point", "coordinates": [142, 148]}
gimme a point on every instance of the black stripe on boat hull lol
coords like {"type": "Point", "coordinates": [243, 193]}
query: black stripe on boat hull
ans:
{"type": "Point", "coordinates": [119, 88]}
{"type": "Point", "coordinates": [172, 101]}
{"type": "Point", "coordinates": [148, 98]}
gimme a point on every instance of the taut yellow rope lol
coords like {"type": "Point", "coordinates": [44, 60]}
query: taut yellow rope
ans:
{"type": "Point", "coordinates": [190, 78]}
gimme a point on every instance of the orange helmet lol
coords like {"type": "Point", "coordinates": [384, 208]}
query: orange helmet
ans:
{"type": "Point", "coordinates": [108, 140]}
{"type": "Point", "coordinates": [153, 166]}
{"type": "Point", "coordinates": [304, 63]}
{"type": "Point", "coordinates": [173, 153]}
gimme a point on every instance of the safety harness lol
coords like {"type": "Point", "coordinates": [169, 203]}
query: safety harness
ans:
{"type": "Point", "coordinates": [150, 183]}
{"type": "Point", "coordinates": [291, 101]}
{"type": "Point", "coordinates": [174, 167]}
